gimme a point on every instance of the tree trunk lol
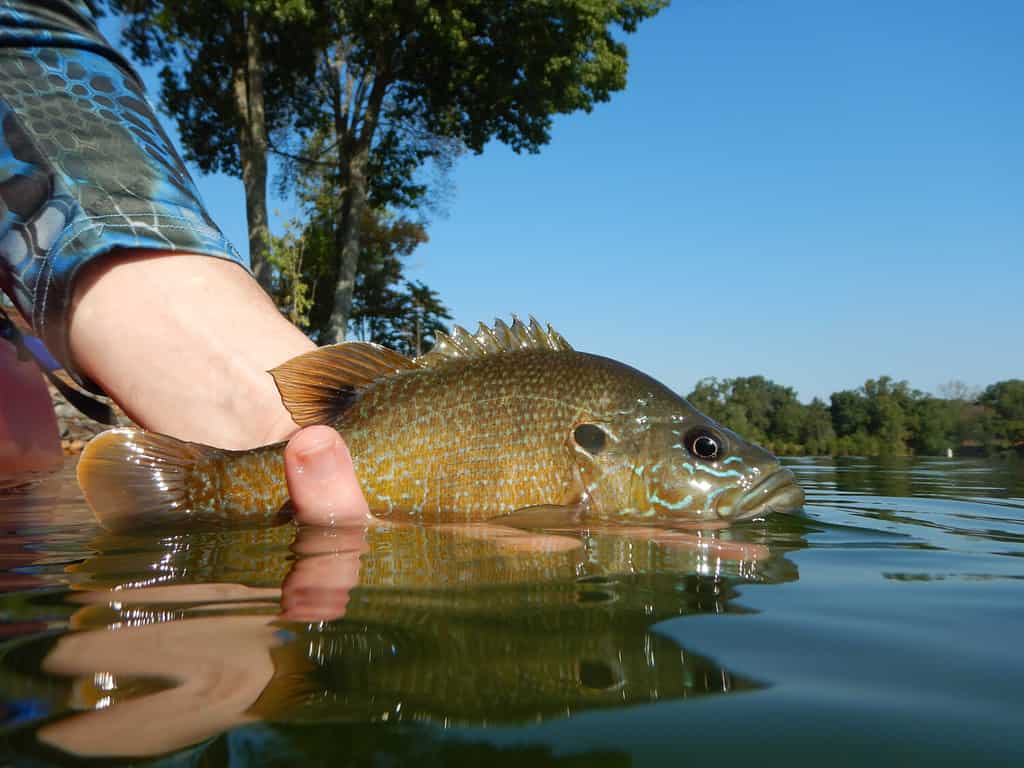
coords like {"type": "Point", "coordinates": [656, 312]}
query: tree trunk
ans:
{"type": "Point", "coordinates": [252, 150]}
{"type": "Point", "coordinates": [347, 241]}
{"type": "Point", "coordinates": [353, 157]}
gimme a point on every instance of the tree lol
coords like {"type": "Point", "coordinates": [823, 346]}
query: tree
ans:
{"type": "Point", "coordinates": [387, 308]}
{"type": "Point", "coordinates": [849, 412]}
{"type": "Point", "coordinates": [709, 397]}
{"type": "Point", "coordinates": [423, 320]}
{"type": "Point", "coordinates": [976, 427]}
{"type": "Point", "coordinates": [233, 73]}
{"type": "Point", "coordinates": [290, 291]}
{"type": "Point", "coordinates": [936, 421]}
{"type": "Point", "coordinates": [753, 406]}
{"type": "Point", "coordinates": [955, 389]}
{"type": "Point", "coordinates": [816, 434]}
{"type": "Point", "coordinates": [1006, 399]}
{"type": "Point", "coordinates": [882, 417]}
{"type": "Point", "coordinates": [399, 82]}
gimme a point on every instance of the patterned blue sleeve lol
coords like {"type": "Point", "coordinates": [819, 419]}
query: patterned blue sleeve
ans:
{"type": "Point", "coordinates": [85, 167]}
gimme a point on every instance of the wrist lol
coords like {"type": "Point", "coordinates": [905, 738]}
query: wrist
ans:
{"type": "Point", "coordinates": [183, 342]}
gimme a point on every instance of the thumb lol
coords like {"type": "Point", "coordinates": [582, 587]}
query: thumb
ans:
{"type": "Point", "coordinates": [321, 480]}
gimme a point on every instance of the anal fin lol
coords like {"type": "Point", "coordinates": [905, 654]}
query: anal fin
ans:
{"type": "Point", "coordinates": [542, 516]}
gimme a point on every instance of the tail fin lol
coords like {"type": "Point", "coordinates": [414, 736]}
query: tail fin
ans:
{"type": "Point", "coordinates": [133, 478]}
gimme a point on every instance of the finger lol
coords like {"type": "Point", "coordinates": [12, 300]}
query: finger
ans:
{"type": "Point", "coordinates": [329, 541]}
{"type": "Point", "coordinates": [321, 480]}
{"type": "Point", "coordinates": [318, 587]}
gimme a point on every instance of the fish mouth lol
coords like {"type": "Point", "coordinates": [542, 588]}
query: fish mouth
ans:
{"type": "Point", "coordinates": [777, 492]}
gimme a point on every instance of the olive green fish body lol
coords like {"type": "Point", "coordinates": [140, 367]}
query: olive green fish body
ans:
{"type": "Point", "coordinates": [483, 437]}
{"type": "Point", "coordinates": [504, 424]}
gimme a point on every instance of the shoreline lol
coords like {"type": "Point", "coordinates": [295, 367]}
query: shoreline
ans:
{"type": "Point", "coordinates": [75, 428]}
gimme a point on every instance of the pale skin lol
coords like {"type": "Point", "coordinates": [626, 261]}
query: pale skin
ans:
{"type": "Point", "coordinates": [183, 343]}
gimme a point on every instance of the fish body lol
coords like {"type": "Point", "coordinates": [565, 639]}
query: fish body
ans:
{"type": "Point", "coordinates": [508, 424]}
{"type": "Point", "coordinates": [487, 436]}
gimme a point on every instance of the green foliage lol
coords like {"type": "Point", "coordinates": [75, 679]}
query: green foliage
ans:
{"type": "Point", "coordinates": [387, 309]}
{"type": "Point", "coordinates": [884, 417]}
{"type": "Point", "coordinates": [477, 70]}
{"type": "Point", "coordinates": [201, 46]}
{"type": "Point", "coordinates": [753, 406]}
{"type": "Point", "coordinates": [936, 425]}
{"type": "Point", "coordinates": [849, 413]}
{"type": "Point", "coordinates": [291, 292]}
{"type": "Point", "coordinates": [399, 84]}
{"type": "Point", "coordinates": [361, 94]}
{"type": "Point", "coordinates": [1006, 399]}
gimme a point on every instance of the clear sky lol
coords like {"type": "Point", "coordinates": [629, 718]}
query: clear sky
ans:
{"type": "Point", "coordinates": [819, 191]}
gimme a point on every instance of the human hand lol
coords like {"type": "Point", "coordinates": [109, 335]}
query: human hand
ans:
{"type": "Point", "coordinates": [183, 343]}
{"type": "Point", "coordinates": [322, 481]}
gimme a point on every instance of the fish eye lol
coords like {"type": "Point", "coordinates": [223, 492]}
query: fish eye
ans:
{"type": "Point", "coordinates": [590, 437]}
{"type": "Point", "coordinates": [703, 444]}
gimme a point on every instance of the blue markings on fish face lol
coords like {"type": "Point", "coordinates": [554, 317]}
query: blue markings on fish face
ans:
{"type": "Point", "coordinates": [679, 467]}
{"type": "Point", "coordinates": [659, 475]}
{"type": "Point", "coordinates": [715, 472]}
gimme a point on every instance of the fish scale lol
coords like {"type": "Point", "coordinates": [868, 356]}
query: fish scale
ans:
{"type": "Point", "coordinates": [513, 412]}
{"type": "Point", "coordinates": [511, 424]}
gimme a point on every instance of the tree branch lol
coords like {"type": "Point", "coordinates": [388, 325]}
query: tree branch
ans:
{"type": "Point", "coordinates": [300, 158]}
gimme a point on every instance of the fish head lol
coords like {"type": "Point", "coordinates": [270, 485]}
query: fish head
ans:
{"type": "Point", "coordinates": [681, 468]}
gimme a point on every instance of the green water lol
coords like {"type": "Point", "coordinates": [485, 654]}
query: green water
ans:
{"type": "Point", "coordinates": [883, 625]}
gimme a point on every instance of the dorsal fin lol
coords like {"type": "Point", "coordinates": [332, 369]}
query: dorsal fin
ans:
{"type": "Point", "coordinates": [461, 344]}
{"type": "Point", "coordinates": [318, 386]}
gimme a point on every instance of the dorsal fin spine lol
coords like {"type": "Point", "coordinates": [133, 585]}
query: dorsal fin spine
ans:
{"type": "Point", "coordinates": [499, 338]}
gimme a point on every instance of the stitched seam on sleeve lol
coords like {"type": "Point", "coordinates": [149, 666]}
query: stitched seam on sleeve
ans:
{"type": "Point", "coordinates": [214, 234]}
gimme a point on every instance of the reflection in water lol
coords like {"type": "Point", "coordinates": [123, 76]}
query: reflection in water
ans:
{"type": "Point", "coordinates": [968, 505]}
{"type": "Point", "coordinates": [405, 645]}
{"type": "Point", "coordinates": [154, 687]}
{"type": "Point", "coordinates": [905, 477]}
{"type": "Point", "coordinates": [181, 639]}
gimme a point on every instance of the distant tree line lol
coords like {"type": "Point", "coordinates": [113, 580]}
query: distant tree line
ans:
{"type": "Point", "coordinates": [883, 417]}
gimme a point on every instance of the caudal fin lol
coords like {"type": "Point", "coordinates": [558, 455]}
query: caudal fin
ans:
{"type": "Point", "coordinates": [133, 478]}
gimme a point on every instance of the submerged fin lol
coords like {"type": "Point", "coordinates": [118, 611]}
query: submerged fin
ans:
{"type": "Point", "coordinates": [320, 385]}
{"type": "Point", "coordinates": [542, 516]}
{"type": "Point", "coordinates": [461, 344]}
{"type": "Point", "coordinates": [132, 478]}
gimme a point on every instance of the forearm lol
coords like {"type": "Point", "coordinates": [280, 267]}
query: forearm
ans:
{"type": "Point", "coordinates": [183, 344]}
{"type": "Point", "coordinates": [85, 169]}
{"type": "Point", "coordinates": [91, 195]}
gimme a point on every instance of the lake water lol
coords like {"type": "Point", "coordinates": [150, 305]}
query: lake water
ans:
{"type": "Point", "coordinates": [882, 625]}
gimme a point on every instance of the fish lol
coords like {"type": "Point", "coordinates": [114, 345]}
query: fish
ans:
{"type": "Point", "coordinates": [509, 424]}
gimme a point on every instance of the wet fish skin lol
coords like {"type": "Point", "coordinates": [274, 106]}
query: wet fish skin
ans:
{"type": "Point", "coordinates": [488, 427]}
{"type": "Point", "coordinates": [488, 436]}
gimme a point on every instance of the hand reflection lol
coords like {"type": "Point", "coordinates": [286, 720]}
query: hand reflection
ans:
{"type": "Point", "coordinates": [223, 670]}
{"type": "Point", "coordinates": [218, 666]}
{"type": "Point", "coordinates": [327, 568]}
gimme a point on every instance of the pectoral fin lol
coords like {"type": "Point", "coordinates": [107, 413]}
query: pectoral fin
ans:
{"type": "Point", "coordinates": [542, 516]}
{"type": "Point", "coordinates": [319, 386]}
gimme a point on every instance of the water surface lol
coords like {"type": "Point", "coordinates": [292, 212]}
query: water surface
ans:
{"type": "Point", "coordinates": [885, 619]}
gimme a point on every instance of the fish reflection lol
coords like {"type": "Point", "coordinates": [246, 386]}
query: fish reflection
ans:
{"type": "Point", "coordinates": [451, 625]}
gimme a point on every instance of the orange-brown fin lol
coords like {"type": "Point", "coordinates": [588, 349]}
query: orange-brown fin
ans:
{"type": "Point", "coordinates": [542, 516]}
{"type": "Point", "coordinates": [320, 385]}
{"type": "Point", "coordinates": [133, 478]}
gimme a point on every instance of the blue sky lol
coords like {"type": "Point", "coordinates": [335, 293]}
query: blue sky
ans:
{"type": "Point", "coordinates": [819, 191]}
